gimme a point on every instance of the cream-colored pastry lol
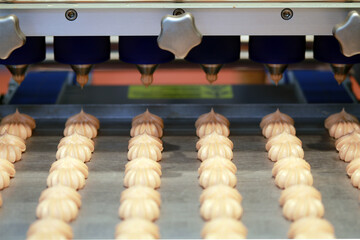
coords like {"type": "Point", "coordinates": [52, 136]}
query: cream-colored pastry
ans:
{"type": "Point", "coordinates": [76, 138]}
{"type": "Point", "coordinates": [209, 128]}
{"type": "Point", "coordinates": [220, 191]}
{"type": "Point", "coordinates": [46, 236]}
{"type": "Point", "coordinates": [1, 200]}
{"type": "Point", "coordinates": [315, 235]}
{"type": "Point", "coordinates": [283, 150]}
{"type": "Point", "coordinates": [8, 167]}
{"type": "Point", "coordinates": [9, 139]}
{"type": "Point", "coordinates": [147, 117]}
{"type": "Point", "coordinates": [299, 191]}
{"type": "Point", "coordinates": [142, 176]}
{"type": "Point", "coordinates": [70, 163]}
{"type": "Point", "coordinates": [351, 138]}
{"type": "Point", "coordinates": [142, 192]}
{"type": "Point", "coordinates": [338, 117]}
{"type": "Point", "coordinates": [86, 129]}
{"type": "Point", "coordinates": [212, 208]}
{"type": "Point", "coordinates": [214, 137]}
{"type": "Point", "coordinates": [148, 128]}
{"type": "Point", "coordinates": [147, 150]}
{"type": "Point", "coordinates": [60, 208]}
{"type": "Point", "coordinates": [4, 179]}
{"type": "Point", "coordinates": [211, 117]}
{"type": "Point", "coordinates": [282, 138]}
{"type": "Point", "coordinates": [300, 207]}
{"type": "Point", "coordinates": [311, 227]}
{"type": "Point", "coordinates": [275, 128]}
{"type": "Point", "coordinates": [215, 176]}
{"type": "Point", "coordinates": [83, 117]}
{"type": "Point", "coordinates": [50, 226]}
{"type": "Point", "coordinates": [353, 166]}
{"type": "Point", "coordinates": [211, 150]}
{"type": "Point", "coordinates": [134, 236]}
{"type": "Point", "coordinates": [18, 117]}
{"type": "Point", "coordinates": [342, 128]}
{"type": "Point", "coordinates": [222, 228]}
{"type": "Point", "coordinates": [59, 192]}
{"type": "Point", "coordinates": [276, 116]}
{"type": "Point", "coordinates": [292, 176]}
{"type": "Point", "coordinates": [68, 177]}
{"type": "Point", "coordinates": [18, 129]}
{"type": "Point", "coordinates": [290, 162]}
{"type": "Point", "coordinates": [78, 151]}
{"type": "Point", "coordinates": [134, 226]}
{"type": "Point", "coordinates": [349, 146]}
{"type": "Point", "coordinates": [139, 208]}
{"type": "Point", "coordinates": [217, 162]}
{"type": "Point", "coordinates": [10, 152]}
{"type": "Point", "coordinates": [355, 178]}
{"type": "Point", "coordinates": [145, 139]}
{"type": "Point", "coordinates": [143, 163]}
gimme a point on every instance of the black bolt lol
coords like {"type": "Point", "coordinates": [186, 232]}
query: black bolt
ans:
{"type": "Point", "coordinates": [178, 11]}
{"type": "Point", "coordinates": [71, 14]}
{"type": "Point", "coordinates": [287, 14]}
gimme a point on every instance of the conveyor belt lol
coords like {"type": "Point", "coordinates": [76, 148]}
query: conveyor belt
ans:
{"type": "Point", "coordinates": [180, 191]}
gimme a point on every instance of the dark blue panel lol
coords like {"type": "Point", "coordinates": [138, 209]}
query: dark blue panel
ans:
{"type": "Point", "coordinates": [216, 50]}
{"type": "Point", "coordinates": [277, 49]}
{"type": "Point", "coordinates": [321, 87]}
{"type": "Point", "coordinates": [40, 88]}
{"type": "Point", "coordinates": [82, 50]}
{"type": "Point", "coordinates": [142, 50]}
{"type": "Point", "coordinates": [327, 49]}
{"type": "Point", "coordinates": [33, 51]}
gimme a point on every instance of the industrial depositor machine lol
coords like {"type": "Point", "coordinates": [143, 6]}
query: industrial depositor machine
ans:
{"type": "Point", "coordinates": [295, 40]}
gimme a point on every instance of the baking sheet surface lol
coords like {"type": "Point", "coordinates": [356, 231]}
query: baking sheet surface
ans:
{"type": "Point", "coordinates": [179, 189]}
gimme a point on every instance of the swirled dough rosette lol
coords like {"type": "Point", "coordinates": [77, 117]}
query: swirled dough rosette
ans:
{"type": "Point", "coordinates": [10, 152]}
{"type": "Point", "coordinates": [282, 138]}
{"type": "Point", "coordinates": [83, 117]}
{"type": "Point", "coordinates": [299, 202]}
{"type": "Point", "coordinates": [342, 128]}
{"type": "Point", "coordinates": [60, 192]}
{"type": "Point", "coordinates": [18, 117]}
{"type": "Point", "coordinates": [145, 208]}
{"type": "Point", "coordinates": [215, 175]}
{"type": "Point", "coordinates": [213, 208]}
{"type": "Point", "coordinates": [69, 163]}
{"type": "Point", "coordinates": [211, 150]}
{"type": "Point", "coordinates": [224, 228]}
{"type": "Point", "coordinates": [79, 139]}
{"type": "Point", "coordinates": [275, 128]}
{"type": "Point", "coordinates": [9, 139]}
{"type": "Point", "coordinates": [18, 129]}
{"type": "Point", "coordinates": [143, 163]}
{"type": "Point", "coordinates": [4, 179]}
{"type": "Point", "coordinates": [342, 116]}
{"type": "Point", "coordinates": [50, 226]}
{"type": "Point", "coordinates": [46, 236]}
{"type": "Point", "coordinates": [212, 122]}
{"type": "Point", "coordinates": [8, 167]}
{"type": "Point", "coordinates": [137, 226]}
{"type": "Point", "coordinates": [147, 123]}
{"type": "Point", "coordinates": [147, 150]}
{"type": "Point", "coordinates": [290, 162]}
{"type": "Point", "coordinates": [214, 138]}
{"type": "Point", "coordinates": [148, 117]}
{"type": "Point", "coordinates": [69, 177]}
{"type": "Point", "coordinates": [211, 117]}
{"type": "Point", "coordinates": [217, 162]}
{"type": "Point", "coordinates": [142, 192]}
{"type": "Point", "coordinates": [292, 176]}
{"type": "Point", "coordinates": [60, 208]}
{"type": "Point", "coordinates": [86, 129]}
{"type": "Point", "coordinates": [311, 228]}
{"type": "Point", "coordinates": [220, 191]}
{"type": "Point", "coordinates": [142, 176]}
{"type": "Point", "coordinates": [349, 146]}
{"type": "Point", "coordinates": [353, 171]}
{"type": "Point", "coordinates": [145, 139]}
{"type": "Point", "coordinates": [1, 200]}
{"type": "Point", "coordinates": [78, 151]}
{"type": "Point", "coordinates": [276, 116]}
{"type": "Point", "coordinates": [283, 150]}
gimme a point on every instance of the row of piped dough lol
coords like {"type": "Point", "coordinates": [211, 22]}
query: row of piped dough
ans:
{"type": "Point", "coordinates": [14, 130]}
{"type": "Point", "coordinates": [140, 202]}
{"type": "Point", "coordinates": [345, 128]}
{"type": "Point", "coordinates": [220, 201]}
{"type": "Point", "coordinates": [59, 204]}
{"type": "Point", "coordinates": [300, 201]}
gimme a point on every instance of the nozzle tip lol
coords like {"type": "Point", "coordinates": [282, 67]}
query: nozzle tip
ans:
{"type": "Point", "coordinates": [19, 78]}
{"type": "Point", "coordinates": [82, 79]}
{"type": "Point", "coordinates": [147, 79]}
{"type": "Point", "coordinates": [340, 78]}
{"type": "Point", "coordinates": [276, 78]}
{"type": "Point", "coordinates": [211, 77]}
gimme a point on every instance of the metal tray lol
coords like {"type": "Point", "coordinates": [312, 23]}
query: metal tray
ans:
{"type": "Point", "coordinates": [179, 190]}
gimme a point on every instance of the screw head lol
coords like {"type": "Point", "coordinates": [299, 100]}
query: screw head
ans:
{"type": "Point", "coordinates": [178, 11]}
{"type": "Point", "coordinates": [71, 14]}
{"type": "Point", "coordinates": [287, 14]}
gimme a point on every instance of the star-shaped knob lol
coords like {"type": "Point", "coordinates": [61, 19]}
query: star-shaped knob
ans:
{"type": "Point", "coordinates": [348, 34]}
{"type": "Point", "coordinates": [11, 37]}
{"type": "Point", "coordinates": [179, 34]}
